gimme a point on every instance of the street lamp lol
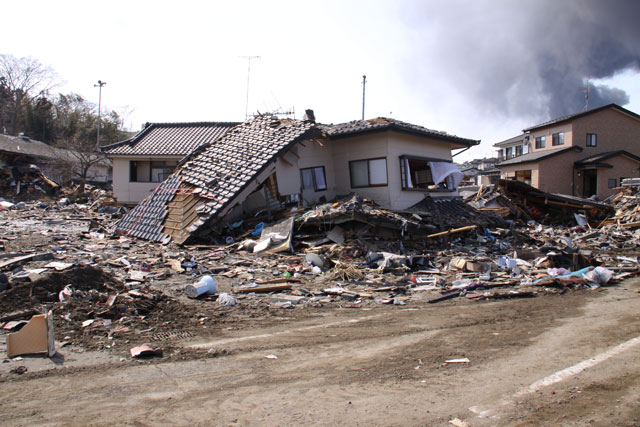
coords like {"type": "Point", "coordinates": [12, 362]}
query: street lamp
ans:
{"type": "Point", "coordinates": [99, 85]}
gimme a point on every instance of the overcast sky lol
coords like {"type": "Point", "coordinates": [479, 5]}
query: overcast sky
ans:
{"type": "Point", "coordinates": [482, 69]}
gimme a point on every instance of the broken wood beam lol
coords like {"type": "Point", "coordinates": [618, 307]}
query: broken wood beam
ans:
{"type": "Point", "coordinates": [453, 231]}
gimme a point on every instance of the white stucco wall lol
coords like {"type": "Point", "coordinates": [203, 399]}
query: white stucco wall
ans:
{"type": "Point", "coordinates": [131, 192]}
{"type": "Point", "coordinates": [309, 154]}
{"type": "Point", "coordinates": [335, 156]}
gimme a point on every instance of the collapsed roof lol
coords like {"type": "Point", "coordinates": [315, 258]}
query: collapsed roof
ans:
{"type": "Point", "coordinates": [213, 179]}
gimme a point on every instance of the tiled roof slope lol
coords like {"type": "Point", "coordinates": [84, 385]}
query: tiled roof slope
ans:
{"type": "Point", "coordinates": [146, 219]}
{"type": "Point", "coordinates": [217, 174]}
{"type": "Point", "coordinates": [382, 124]}
{"type": "Point", "coordinates": [169, 139]}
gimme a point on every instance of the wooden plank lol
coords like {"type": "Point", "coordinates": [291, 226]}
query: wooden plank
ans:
{"type": "Point", "coordinates": [263, 289]}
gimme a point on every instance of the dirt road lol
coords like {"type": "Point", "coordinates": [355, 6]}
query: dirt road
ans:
{"type": "Point", "coordinates": [569, 359]}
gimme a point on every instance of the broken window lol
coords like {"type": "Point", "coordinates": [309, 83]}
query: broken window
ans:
{"type": "Point", "coordinates": [368, 173]}
{"type": "Point", "coordinates": [313, 178]}
{"type": "Point", "coordinates": [428, 174]}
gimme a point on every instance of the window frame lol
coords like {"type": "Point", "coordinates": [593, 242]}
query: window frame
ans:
{"type": "Point", "coordinates": [541, 142]}
{"type": "Point", "coordinates": [386, 171]}
{"type": "Point", "coordinates": [163, 167]}
{"type": "Point", "coordinates": [404, 172]}
{"type": "Point", "coordinates": [519, 150]}
{"type": "Point", "coordinates": [313, 177]}
{"type": "Point", "coordinates": [133, 169]}
{"type": "Point", "coordinates": [590, 137]}
{"type": "Point", "coordinates": [615, 182]}
{"type": "Point", "coordinates": [559, 137]}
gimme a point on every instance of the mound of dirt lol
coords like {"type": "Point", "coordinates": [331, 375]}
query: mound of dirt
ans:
{"type": "Point", "coordinates": [25, 296]}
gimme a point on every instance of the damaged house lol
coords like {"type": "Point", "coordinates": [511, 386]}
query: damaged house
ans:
{"type": "Point", "coordinates": [146, 159]}
{"type": "Point", "coordinates": [268, 164]}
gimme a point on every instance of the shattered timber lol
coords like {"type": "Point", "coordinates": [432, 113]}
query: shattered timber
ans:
{"type": "Point", "coordinates": [114, 281]}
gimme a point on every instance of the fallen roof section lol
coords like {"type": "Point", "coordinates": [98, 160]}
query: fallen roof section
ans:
{"type": "Point", "coordinates": [214, 179]}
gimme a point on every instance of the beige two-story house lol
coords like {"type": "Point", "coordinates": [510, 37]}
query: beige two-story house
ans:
{"type": "Point", "coordinates": [583, 154]}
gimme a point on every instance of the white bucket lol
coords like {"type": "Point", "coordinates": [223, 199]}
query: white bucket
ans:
{"type": "Point", "coordinates": [206, 285]}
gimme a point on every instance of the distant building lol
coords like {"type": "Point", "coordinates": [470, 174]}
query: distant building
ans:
{"type": "Point", "coordinates": [583, 154]}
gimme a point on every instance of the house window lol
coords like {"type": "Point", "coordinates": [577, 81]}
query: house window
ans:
{"type": "Point", "coordinates": [509, 152]}
{"type": "Point", "coordinates": [592, 140]}
{"type": "Point", "coordinates": [558, 138]}
{"type": "Point", "coordinates": [133, 171]}
{"type": "Point", "coordinates": [612, 183]}
{"type": "Point", "coordinates": [518, 150]}
{"type": "Point", "coordinates": [146, 171]}
{"type": "Point", "coordinates": [368, 173]}
{"type": "Point", "coordinates": [416, 173]}
{"type": "Point", "coordinates": [161, 170]}
{"type": "Point", "coordinates": [313, 178]}
{"type": "Point", "coordinates": [540, 141]}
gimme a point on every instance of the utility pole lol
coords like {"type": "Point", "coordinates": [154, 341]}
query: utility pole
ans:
{"type": "Point", "coordinates": [246, 107]}
{"type": "Point", "coordinates": [364, 83]}
{"type": "Point", "coordinates": [586, 96]}
{"type": "Point", "coordinates": [99, 85]}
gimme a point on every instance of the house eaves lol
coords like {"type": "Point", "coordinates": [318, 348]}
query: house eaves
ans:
{"type": "Point", "coordinates": [383, 124]}
{"type": "Point", "coordinates": [511, 141]}
{"type": "Point", "coordinates": [537, 156]}
{"type": "Point", "coordinates": [597, 160]}
{"type": "Point", "coordinates": [572, 117]}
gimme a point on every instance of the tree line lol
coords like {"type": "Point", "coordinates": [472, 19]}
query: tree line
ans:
{"type": "Point", "coordinates": [27, 106]}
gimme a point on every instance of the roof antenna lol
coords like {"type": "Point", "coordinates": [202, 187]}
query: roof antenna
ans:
{"type": "Point", "coordinates": [364, 83]}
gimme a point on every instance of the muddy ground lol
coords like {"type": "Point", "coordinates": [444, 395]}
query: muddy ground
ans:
{"type": "Point", "coordinates": [380, 366]}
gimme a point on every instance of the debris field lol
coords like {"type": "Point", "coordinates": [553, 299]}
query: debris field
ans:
{"type": "Point", "coordinates": [113, 293]}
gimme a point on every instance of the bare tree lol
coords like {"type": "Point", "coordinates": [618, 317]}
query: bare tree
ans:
{"type": "Point", "coordinates": [23, 78]}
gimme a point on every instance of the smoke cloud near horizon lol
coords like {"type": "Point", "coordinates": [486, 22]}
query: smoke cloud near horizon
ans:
{"type": "Point", "coordinates": [530, 58]}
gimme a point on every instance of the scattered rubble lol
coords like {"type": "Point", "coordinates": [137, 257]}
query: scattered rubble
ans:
{"type": "Point", "coordinates": [115, 293]}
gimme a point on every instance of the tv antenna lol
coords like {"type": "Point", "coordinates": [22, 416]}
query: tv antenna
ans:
{"type": "Point", "coordinates": [246, 107]}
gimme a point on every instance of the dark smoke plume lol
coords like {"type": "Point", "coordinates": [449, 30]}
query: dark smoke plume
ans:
{"type": "Point", "coordinates": [531, 58]}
